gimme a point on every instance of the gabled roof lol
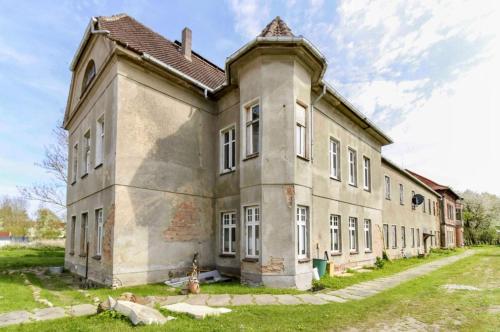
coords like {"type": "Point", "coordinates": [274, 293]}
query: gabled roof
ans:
{"type": "Point", "coordinates": [434, 185]}
{"type": "Point", "coordinates": [276, 28]}
{"type": "Point", "coordinates": [135, 36]}
{"type": "Point", "coordinates": [409, 175]}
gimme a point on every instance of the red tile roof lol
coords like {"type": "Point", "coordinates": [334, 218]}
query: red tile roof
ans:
{"type": "Point", "coordinates": [139, 38]}
{"type": "Point", "coordinates": [432, 184]}
{"type": "Point", "coordinates": [276, 28]}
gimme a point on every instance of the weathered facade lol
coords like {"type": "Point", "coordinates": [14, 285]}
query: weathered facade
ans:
{"type": "Point", "coordinates": [259, 167]}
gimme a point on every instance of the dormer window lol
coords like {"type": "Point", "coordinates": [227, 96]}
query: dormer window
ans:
{"type": "Point", "coordinates": [89, 75]}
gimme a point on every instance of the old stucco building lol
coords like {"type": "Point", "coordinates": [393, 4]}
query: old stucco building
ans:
{"type": "Point", "coordinates": [259, 167]}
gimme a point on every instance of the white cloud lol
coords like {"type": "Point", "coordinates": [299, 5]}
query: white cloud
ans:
{"type": "Point", "coordinates": [251, 16]}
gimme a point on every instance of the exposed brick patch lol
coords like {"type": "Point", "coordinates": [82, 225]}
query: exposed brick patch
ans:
{"type": "Point", "coordinates": [107, 244]}
{"type": "Point", "coordinates": [276, 265]}
{"type": "Point", "coordinates": [185, 225]}
{"type": "Point", "coordinates": [289, 192]}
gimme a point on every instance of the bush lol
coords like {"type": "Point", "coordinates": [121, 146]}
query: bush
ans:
{"type": "Point", "coordinates": [385, 257]}
{"type": "Point", "coordinates": [317, 285]}
{"type": "Point", "coordinates": [379, 263]}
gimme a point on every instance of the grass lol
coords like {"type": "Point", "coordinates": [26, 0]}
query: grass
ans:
{"type": "Point", "coordinates": [13, 257]}
{"type": "Point", "coordinates": [390, 267]}
{"type": "Point", "coordinates": [422, 299]}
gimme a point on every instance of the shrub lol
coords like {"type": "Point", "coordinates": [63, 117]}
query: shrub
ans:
{"type": "Point", "coordinates": [379, 263]}
{"type": "Point", "coordinates": [385, 256]}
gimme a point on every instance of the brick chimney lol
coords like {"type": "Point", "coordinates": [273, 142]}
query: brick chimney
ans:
{"type": "Point", "coordinates": [186, 43]}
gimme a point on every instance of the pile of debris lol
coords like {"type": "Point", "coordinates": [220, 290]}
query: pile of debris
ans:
{"type": "Point", "coordinates": [138, 309]}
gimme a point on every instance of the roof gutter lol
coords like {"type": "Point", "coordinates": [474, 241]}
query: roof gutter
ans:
{"type": "Point", "coordinates": [273, 40]}
{"type": "Point", "coordinates": [151, 59]}
{"type": "Point", "coordinates": [90, 30]}
{"type": "Point", "coordinates": [360, 115]}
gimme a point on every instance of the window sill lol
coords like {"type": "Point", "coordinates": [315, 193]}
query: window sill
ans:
{"type": "Point", "coordinates": [97, 257]}
{"type": "Point", "coordinates": [353, 252]}
{"type": "Point", "coordinates": [304, 260]}
{"type": "Point", "coordinates": [368, 190]}
{"type": "Point", "coordinates": [97, 166]}
{"type": "Point", "coordinates": [72, 183]}
{"type": "Point", "coordinates": [353, 185]}
{"type": "Point", "coordinates": [251, 156]}
{"type": "Point", "coordinates": [250, 259]}
{"type": "Point", "coordinates": [368, 251]}
{"type": "Point", "coordinates": [388, 198]}
{"type": "Point", "coordinates": [72, 253]}
{"type": "Point", "coordinates": [303, 158]}
{"type": "Point", "coordinates": [336, 179]}
{"type": "Point", "coordinates": [82, 255]}
{"type": "Point", "coordinates": [84, 176]}
{"type": "Point", "coordinates": [335, 253]}
{"type": "Point", "coordinates": [229, 171]}
{"type": "Point", "coordinates": [227, 255]}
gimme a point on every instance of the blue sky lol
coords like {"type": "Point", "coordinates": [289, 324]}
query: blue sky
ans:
{"type": "Point", "coordinates": [425, 71]}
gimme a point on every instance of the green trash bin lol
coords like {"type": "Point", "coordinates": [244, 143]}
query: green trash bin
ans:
{"type": "Point", "coordinates": [320, 264]}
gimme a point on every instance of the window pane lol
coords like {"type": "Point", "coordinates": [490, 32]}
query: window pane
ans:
{"type": "Point", "coordinates": [233, 239]}
{"type": "Point", "coordinates": [255, 137]}
{"type": "Point", "coordinates": [255, 112]}
{"type": "Point", "coordinates": [226, 239]}
{"type": "Point", "coordinates": [257, 239]}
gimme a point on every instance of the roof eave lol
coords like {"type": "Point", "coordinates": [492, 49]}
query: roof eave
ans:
{"type": "Point", "coordinates": [385, 139]}
{"type": "Point", "coordinates": [408, 174]}
{"type": "Point", "coordinates": [86, 36]}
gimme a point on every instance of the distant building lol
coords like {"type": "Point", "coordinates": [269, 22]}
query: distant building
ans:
{"type": "Point", "coordinates": [259, 167]}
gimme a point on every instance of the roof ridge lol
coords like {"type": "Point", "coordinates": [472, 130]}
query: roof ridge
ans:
{"type": "Point", "coordinates": [277, 28]}
{"type": "Point", "coordinates": [123, 15]}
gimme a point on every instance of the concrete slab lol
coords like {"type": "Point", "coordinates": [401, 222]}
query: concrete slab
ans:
{"type": "Point", "coordinates": [200, 299]}
{"type": "Point", "coordinates": [311, 299]}
{"type": "Point", "coordinates": [330, 298]}
{"type": "Point", "coordinates": [219, 300]}
{"type": "Point", "coordinates": [265, 299]}
{"type": "Point", "coordinates": [82, 310]}
{"type": "Point", "coordinates": [244, 299]}
{"type": "Point", "coordinates": [288, 299]}
{"type": "Point", "coordinates": [14, 317]}
{"type": "Point", "coordinates": [48, 313]}
{"type": "Point", "coordinates": [174, 299]}
{"type": "Point", "coordinates": [345, 295]}
{"type": "Point", "coordinates": [196, 311]}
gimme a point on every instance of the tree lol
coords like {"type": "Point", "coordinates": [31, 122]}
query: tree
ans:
{"type": "Point", "coordinates": [480, 215]}
{"type": "Point", "coordinates": [14, 216]}
{"type": "Point", "coordinates": [55, 164]}
{"type": "Point", "coordinates": [48, 225]}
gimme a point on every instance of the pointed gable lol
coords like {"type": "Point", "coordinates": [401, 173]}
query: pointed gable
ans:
{"type": "Point", "coordinates": [277, 28]}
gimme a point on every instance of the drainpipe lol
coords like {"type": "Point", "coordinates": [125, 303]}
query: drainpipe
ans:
{"type": "Point", "coordinates": [312, 119]}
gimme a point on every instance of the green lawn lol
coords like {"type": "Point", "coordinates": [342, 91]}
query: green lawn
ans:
{"type": "Point", "coordinates": [19, 257]}
{"type": "Point", "coordinates": [390, 267]}
{"type": "Point", "coordinates": [422, 299]}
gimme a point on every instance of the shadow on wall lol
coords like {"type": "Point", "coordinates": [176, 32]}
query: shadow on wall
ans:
{"type": "Point", "coordinates": [170, 227]}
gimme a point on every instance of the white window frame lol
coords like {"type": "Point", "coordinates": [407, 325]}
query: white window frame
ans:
{"type": "Point", "coordinates": [301, 221]}
{"type": "Point", "coordinates": [87, 142]}
{"type": "Point", "coordinates": [334, 153]}
{"type": "Point", "coordinates": [418, 237]}
{"type": "Point", "coordinates": [99, 141]}
{"type": "Point", "coordinates": [301, 132]}
{"type": "Point", "coordinates": [335, 233]}
{"type": "Point", "coordinates": [401, 194]}
{"type": "Point", "coordinates": [252, 227]}
{"type": "Point", "coordinates": [387, 187]}
{"type": "Point", "coordinates": [353, 234]}
{"type": "Point", "coordinates": [72, 234]}
{"type": "Point", "coordinates": [385, 230]}
{"type": "Point", "coordinates": [84, 233]}
{"type": "Point", "coordinates": [99, 222]}
{"type": "Point", "coordinates": [403, 237]}
{"type": "Point", "coordinates": [250, 123]}
{"type": "Point", "coordinates": [412, 231]}
{"type": "Point", "coordinates": [367, 176]}
{"type": "Point", "coordinates": [353, 165]}
{"type": "Point", "coordinates": [394, 231]}
{"type": "Point", "coordinates": [231, 143]}
{"type": "Point", "coordinates": [74, 176]}
{"type": "Point", "coordinates": [368, 235]}
{"type": "Point", "coordinates": [228, 222]}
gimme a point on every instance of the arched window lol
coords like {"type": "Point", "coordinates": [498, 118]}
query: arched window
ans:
{"type": "Point", "coordinates": [88, 76]}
